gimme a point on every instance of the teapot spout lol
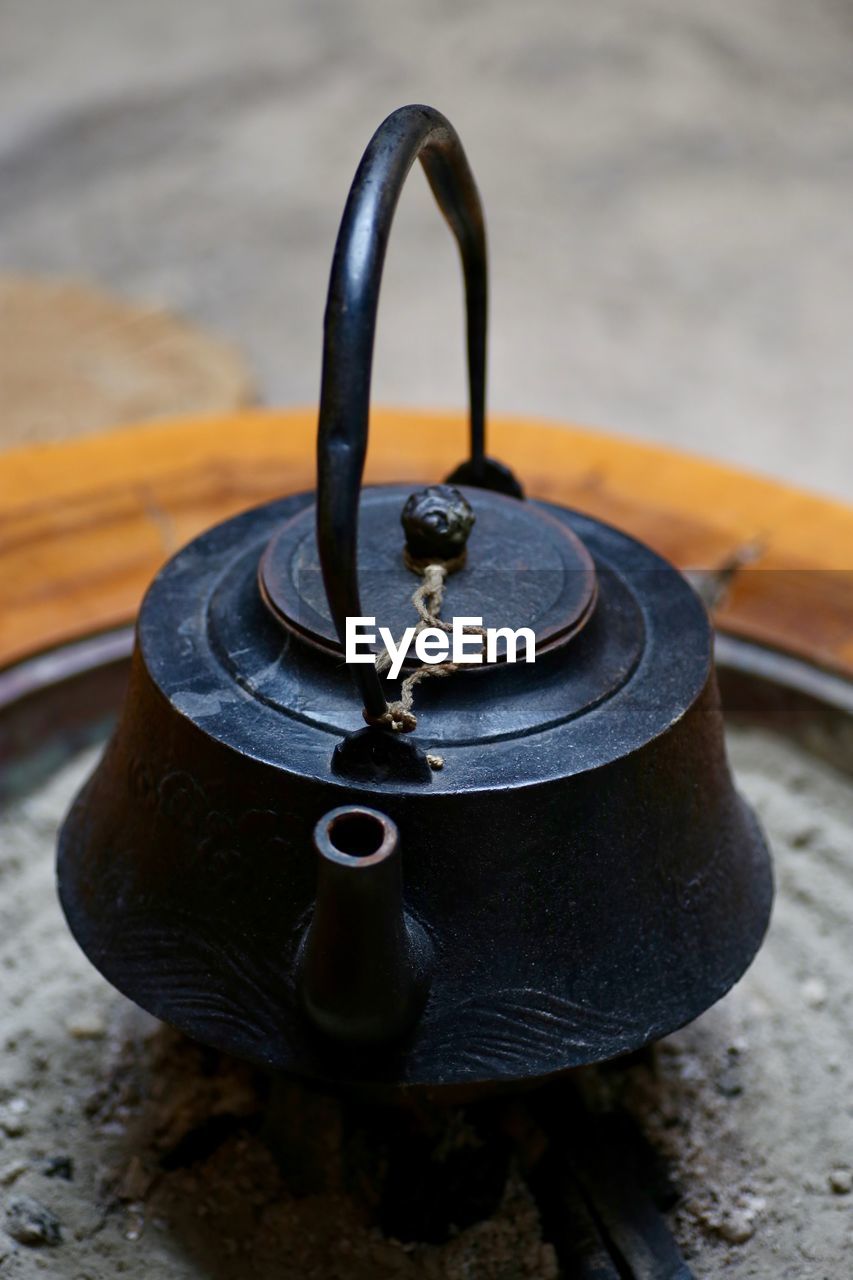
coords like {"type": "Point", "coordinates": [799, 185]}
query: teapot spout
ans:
{"type": "Point", "coordinates": [364, 964]}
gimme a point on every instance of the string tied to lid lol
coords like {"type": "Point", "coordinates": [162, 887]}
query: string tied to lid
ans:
{"type": "Point", "coordinates": [437, 522]}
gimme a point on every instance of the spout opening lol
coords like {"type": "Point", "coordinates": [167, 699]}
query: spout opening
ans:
{"type": "Point", "coordinates": [356, 836]}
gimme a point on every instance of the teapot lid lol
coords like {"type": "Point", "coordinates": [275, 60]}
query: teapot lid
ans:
{"type": "Point", "coordinates": [521, 567]}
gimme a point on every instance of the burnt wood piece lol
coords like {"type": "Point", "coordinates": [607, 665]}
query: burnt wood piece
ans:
{"type": "Point", "coordinates": [568, 1222]}
{"type": "Point", "coordinates": [596, 1187]}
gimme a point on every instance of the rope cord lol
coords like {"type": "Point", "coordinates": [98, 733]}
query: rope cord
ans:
{"type": "Point", "coordinates": [427, 600]}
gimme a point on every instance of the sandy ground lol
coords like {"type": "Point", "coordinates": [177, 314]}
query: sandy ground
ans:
{"type": "Point", "coordinates": [171, 1176]}
{"type": "Point", "coordinates": [668, 187]}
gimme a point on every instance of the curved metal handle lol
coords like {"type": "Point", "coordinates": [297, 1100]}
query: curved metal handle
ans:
{"type": "Point", "coordinates": [411, 133]}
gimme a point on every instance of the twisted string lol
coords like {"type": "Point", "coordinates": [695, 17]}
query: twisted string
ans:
{"type": "Point", "coordinates": [427, 600]}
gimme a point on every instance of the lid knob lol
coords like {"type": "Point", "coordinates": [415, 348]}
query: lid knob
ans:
{"type": "Point", "coordinates": [437, 522]}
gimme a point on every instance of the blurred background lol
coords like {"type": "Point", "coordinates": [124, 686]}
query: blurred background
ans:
{"type": "Point", "coordinates": [668, 187]}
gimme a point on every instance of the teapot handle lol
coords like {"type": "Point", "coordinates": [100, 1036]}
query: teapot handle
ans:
{"type": "Point", "coordinates": [413, 132]}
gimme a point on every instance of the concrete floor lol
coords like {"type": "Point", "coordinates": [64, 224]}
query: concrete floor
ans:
{"type": "Point", "coordinates": [668, 185]}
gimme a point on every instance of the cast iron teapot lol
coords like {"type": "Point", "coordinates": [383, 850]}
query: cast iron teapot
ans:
{"type": "Point", "coordinates": [484, 878]}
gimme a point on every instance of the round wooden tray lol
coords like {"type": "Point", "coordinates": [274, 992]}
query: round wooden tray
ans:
{"type": "Point", "coordinates": [87, 522]}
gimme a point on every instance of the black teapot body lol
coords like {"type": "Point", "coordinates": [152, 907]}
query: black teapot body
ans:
{"type": "Point", "coordinates": [525, 867]}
